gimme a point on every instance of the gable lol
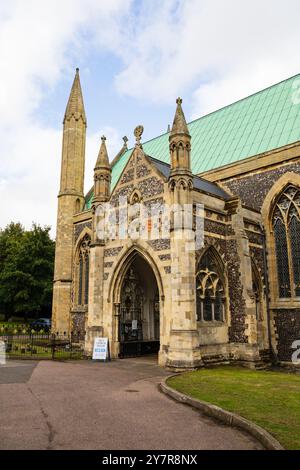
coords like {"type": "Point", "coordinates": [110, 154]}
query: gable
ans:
{"type": "Point", "coordinates": [139, 176]}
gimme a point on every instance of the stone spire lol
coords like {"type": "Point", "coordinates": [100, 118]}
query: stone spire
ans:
{"type": "Point", "coordinates": [180, 142]}
{"type": "Point", "coordinates": [102, 175]}
{"type": "Point", "coordinates": [179, 123]}
{"type": "Point", "coordinates": [102, 160]}
{"type": "Point", "coordinates": [70, 202]}
{"type": "Point", "coordinates": [75, 106]}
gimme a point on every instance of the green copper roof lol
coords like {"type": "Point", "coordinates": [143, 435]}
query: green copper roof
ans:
{"type": "Point", "coordinates": [261, 122]}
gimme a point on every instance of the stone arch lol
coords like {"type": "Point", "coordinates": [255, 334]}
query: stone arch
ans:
{"type": "Point", "coordinates": [85, 231]}
{"type": "Point", "coordinates": [267, 211]}
{"type": "Point", "coordinates": [82, 298]}
{"type": "Point", "coordinates": [216, 256]}
{"type": "Point", "coordinates": [212, 285]}
{"type": "Point", "coordinates": [122, 264]}
{"type": "Point", "coordinates": [217, 249]}
{"type": "Point", "coordinates": [135, 197]}
{"type": "Point", "coordinates": [151, 289]}
{"type": "Point", "coordinates": [289, 178]}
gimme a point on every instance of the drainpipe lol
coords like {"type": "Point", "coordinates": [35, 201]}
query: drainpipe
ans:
{"type": "Point", "coordinates": [274, 357]}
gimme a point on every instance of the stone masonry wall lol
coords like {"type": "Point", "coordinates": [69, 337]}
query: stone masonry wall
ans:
{"type": "Point", "coordinates": [253, 189]}
{"type": "Point", "coordinates": [287, 324]}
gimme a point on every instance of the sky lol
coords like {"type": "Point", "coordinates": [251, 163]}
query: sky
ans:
{"type": "Point", "coordinates": [135, 58]}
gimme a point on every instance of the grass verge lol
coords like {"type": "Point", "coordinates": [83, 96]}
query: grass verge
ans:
{"type": "Point", "coordinates": [269, 399]}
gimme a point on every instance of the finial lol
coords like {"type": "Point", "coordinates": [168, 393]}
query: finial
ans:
{"type": "Point", "coordinates": [77, 69]}
{"type": "Point", "coordinates": [125, 140]}
{"type": "Point", "coordinates": [138, 132]}
{"type": "Point", "coordinates": [103, 138]}
{"type": "Point", "coordinates": [179, 123]}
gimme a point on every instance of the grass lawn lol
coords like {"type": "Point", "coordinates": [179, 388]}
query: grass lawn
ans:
{"type": "Point", "coordinates": [269, 399]}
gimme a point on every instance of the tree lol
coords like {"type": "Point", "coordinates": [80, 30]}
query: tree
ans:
{"type": "Point", "coordinates": [26, 271]}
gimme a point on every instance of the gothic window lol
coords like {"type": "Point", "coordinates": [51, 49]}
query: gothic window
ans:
{"type": "Point", "coordinates": [286, 229]}
{"type": "Point", "coordinates": [86, 287]}
{"type": "Point", "coordinates": [210, 289]}
{"type": "Point", "coordinates": [80, 280]}
{"type": "Point", "coordinates": [257, 292]}
{"type": "Point", "coordinates": [83, 271]}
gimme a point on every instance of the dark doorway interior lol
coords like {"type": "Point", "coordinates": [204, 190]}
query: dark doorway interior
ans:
{"type": "Point", "coordinates": [139, 312]}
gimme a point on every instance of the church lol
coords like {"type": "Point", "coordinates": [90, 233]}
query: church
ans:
{"type": "Point", "coordinates": [234, 297]}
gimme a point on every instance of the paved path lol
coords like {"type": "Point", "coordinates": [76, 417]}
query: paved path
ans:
{"type": "Point", "coordinates": [85, 405]}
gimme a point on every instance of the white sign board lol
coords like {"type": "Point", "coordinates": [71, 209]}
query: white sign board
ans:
{"type": "Point", "coordinates": [2, 353]}
{"type": "Point", "coordinates": [134, 325]}
{"type": "Point", "coordinates": [100, 349]}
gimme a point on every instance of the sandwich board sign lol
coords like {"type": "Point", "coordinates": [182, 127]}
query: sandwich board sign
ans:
{"type": "Point", "coordinates": [100, 350]}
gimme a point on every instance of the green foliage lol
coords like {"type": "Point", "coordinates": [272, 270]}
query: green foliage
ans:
{"type": "Point", "coordinates": [26, 271]}
{"type": "Point", "coordinates": [11, 328]}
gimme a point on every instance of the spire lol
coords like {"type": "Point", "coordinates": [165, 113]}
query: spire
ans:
{"type": "Point", "coordinates": [180, 143]}
{"type": "Point", "coordinates": [102, 160]}
{"type": "Point", "coordinates": [179, 123]}
{"type": "Point", "coordinates": [102, 175]}
{"type": "Point", "coordinates": [75, 106]}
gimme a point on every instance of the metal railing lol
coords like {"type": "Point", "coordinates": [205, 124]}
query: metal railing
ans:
{"type": "Point", "coordinates": [41, 346]}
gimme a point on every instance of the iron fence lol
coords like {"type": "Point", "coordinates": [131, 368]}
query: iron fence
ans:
{"type": "Point", "coordinates": [41, 346]}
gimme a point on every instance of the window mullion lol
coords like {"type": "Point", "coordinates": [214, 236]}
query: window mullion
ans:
{"type": "Point", "coordinates": [213, 310]}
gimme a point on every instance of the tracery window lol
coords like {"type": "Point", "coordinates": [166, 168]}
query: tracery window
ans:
{"type": "Point", "coordinates": [210, 289]}
{"type": "Point", "coordinates": [83, 267]}
{"type": "Point", "coordinates": [286, 229]}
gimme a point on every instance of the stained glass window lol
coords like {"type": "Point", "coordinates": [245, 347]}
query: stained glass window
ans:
{"type": "Point", "coordinates": [80, 281]}
{"type": "Point", "coordinates": [286, 226]}
{"type": "Point", "coordinates": [210, 289]}
{"type": "Point", "coordinates": [83, 271]}
{"type": "Point", "coordinates": [295, 250]}
{"type": "Point", "coordinates": [207, 309]}
{"type": "Point", "coordinates": [219, 303]}
{"type": "Point", "coordinates": [87, 268]}
{"type": "Point", "coordinates": [282, 259]}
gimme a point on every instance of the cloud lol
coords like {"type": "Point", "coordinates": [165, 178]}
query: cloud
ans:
{"type": "Point", "coordinates": [211, 50]}
{"type": "Point", "coordinates": [39, 42]}
{"type": "Point", "coordinates": [30, 188]}
{"type": "Point", "coordinates": [220, 50]}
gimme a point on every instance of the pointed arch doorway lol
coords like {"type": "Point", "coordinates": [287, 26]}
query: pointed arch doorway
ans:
{"type": "Point", "coordinates": [139, 313]}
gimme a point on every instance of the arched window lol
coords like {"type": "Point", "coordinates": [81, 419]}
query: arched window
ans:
{"type": "Point", "coordinates": [286, 227]}
{"type": "Point", "coordinates": [256, 287]}
{"type": "Point", "coordinates": [83, 267]}
{"type": "Point", "coordinates": [210, 289]}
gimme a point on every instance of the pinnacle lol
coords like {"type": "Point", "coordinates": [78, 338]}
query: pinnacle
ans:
{"type": "Point", "coordinates": [102, 160]}
{"type": "Point", "coordinates": [179, 123]}
{"type": "Point", "coordinates": [75, 106]}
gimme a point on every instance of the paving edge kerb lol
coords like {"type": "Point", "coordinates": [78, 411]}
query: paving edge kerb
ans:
{"type": "Point", "coordinates": [231, 419]}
